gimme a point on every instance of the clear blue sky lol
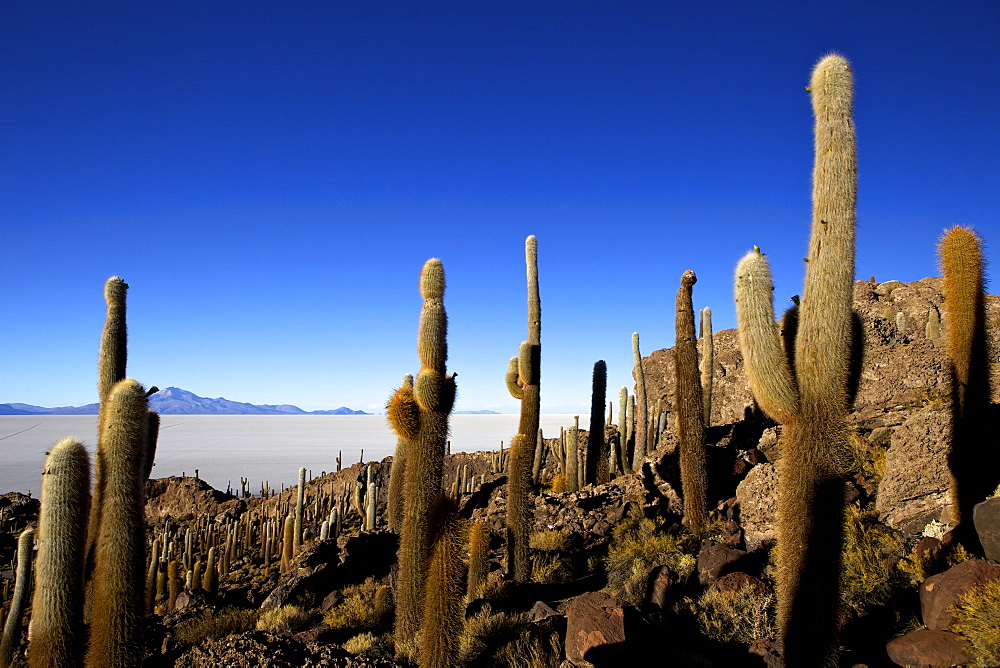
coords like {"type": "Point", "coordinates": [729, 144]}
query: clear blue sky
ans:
{"type": "Point", "coordinates": [270, 176]}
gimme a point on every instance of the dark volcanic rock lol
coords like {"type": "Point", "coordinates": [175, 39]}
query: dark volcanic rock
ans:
{"type": "Point", "coordinates": [594, 620]}
{"type": "Point", "coordinates": [987, 519]}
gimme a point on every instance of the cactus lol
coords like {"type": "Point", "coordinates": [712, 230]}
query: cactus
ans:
{"type": "Point", "coordinates": [151, 572]}
{"type": "Point", "coordinates": [173, 584]}
{"type": "Point", "coordinates": [287, 544]}
{"type": "Point", "coordinates": [300, 502]}
{"type": "Point", "coordinates": [690, 412]}
{"type": "Point", "coordinates": [933, 328]}
{"type": "Point", "coordinates": [526, 387]}
{"type": "Point", "coordinates": [404, 417]}
{"type": "Point", "coordinates": [57, 606]}
{"type": "Point", "coordinates": [119, 564]}
{"type": "Point", "coordinates": [435, 394]}
{"type": "Point", "coordinates": [444, 611]}
{"type": "Point", "coordinates": [973, 466]}
{"type": "Point", "coordinates": [597, 448]}
{"type": "Point", "coordinates": [210, 580]}
{"type": "Point", "coordinates": [479, 547]}
{"type": "Point", "coordinates": [812, 403]}
{"type": "Point", "coordinates": [536, 468]}
{"type": "Point", "coordinates": [22, 589]}
{"type": "Point", "coordinates": [641, 408]}
{"type": "Point", "coordinates": [152, 436]}
{"type": "Point", "coordinates": [707, 364]}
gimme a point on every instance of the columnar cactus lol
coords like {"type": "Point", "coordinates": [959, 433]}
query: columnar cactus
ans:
{"type": "Point", "coordinates": [434, 392]}
{"type": "Point", "coordinates": [812, 402]}
{"type": "Point", "coordinates": [961, 258]}
{"type": "Point", "coordinates": [19, 600]}
{"type": "Point", "coordinates": [641, 409]}
{"type": "Point", "coordinates": [690, 412]}
{"type": "Point", "coordinates": [526, 387]}
{"type": "Point", "coordinates": [479, 548]}
{"type": "Point", "coordinates": [57, 606]}
{"type": "Point", "coordinates": [300, 502]}
{"type": "Point", "coordinates": [403, 414]}
{"type": "Point", "coordinates": [119, 564]}
{"type": "Point", "coordinates": [707, 363]}
{"type": "Point", "coordinates": [597, 448]}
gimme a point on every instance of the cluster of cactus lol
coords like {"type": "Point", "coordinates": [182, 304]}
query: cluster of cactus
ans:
{"type": "Point", "coordinates": [809, 395]}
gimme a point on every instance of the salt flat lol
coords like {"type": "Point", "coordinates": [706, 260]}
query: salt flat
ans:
{"type": "Point", "coordinates": [259, 447]}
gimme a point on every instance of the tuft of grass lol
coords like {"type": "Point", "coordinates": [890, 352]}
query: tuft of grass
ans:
{"type": "Point", "coordinates": [285, 619]}
{"type": "Point", "coordinates": [363, 642]}
{"type": "Point", "coordinates": [872, 551]}
{"type": "Point", "coordinates": [868, 459]}
{"type": "Point", "coordinates": [637, 546]}
{"type": "Point", "coordinates": [549, 541]}
{"type": "Point", "coordinates": [365, 607]}
{"type": "Point", "coordinates": [977, 617]}
{"type": "Point", "coordinates": [549, 565]}
{"type": "Point", "coordinates": [558, 485]}
{"type": "Point", "coordinates": [735, 616]}
{"type": "Point", "coordinates": [214, 624]}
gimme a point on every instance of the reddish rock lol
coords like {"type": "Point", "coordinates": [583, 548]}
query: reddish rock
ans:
{"type": "Point", "coordinates": [929, 649]}
{"type": "Point", "coordinates": [940, 591]}
{"type": "Point", "coordinates": [713, 560]}
{"type": "Point", "coordinates": [662, 580]}
{"type": "Point", "coordinates": [741, 582]}
{"type": "Point", "coordinates": [593, 620]}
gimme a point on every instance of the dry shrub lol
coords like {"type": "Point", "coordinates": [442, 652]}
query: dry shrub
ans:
{"type": "Point", "coordinates": [872, 551]}
{"type": "Point", "coordinates": [365, 607]}
{"type": "Point", "coordinates": [637, 546]}
{"type": "Point", "coordinates": [285, 619]}
{"type": "Point", "coordinates": [743, 616]}
{"type": "Point", "coordinates": [506, 639]}
{"type": "Point", "coordinates": [214, 624]}
{"type": "Point", "coordinates": [549, 541]}
{"type": "Point", "coordinates": [977, 617]}
{"type": "Point", "coordinates": [363, 642]}
{"type": "Point", "coordinates": [549, 565]}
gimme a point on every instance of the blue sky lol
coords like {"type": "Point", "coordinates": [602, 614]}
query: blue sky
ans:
{"type": "Point", "coordinates": [269, 177]}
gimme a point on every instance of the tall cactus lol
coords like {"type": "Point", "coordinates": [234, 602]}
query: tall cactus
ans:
{"type": "Point", "coordinates": [19, 600]}
{"type": "Point", "coordinates": [597, 447]}
{"type": "Point", "coordinates": [811, 402]}
{"type": "Point", "coordinates": [690, 411]}
{"type": "Point", "coordinates": [973, 466]}
{"type": "Point", "coordinates": [118, 578]}
{"type": "Point", "coordinates": [404, 417]}
{"type": "Point", "coordinates": [707, 363]}
{"type": "Point", "coordinates": [444, 610]}
{"type": "Point", "coordinates": [641, 408]}
{"type": "Point", "coordinates": [526, 387]}
{"type": "Point", "coordinates": [434, 392]}
{"type": "Point", "coordinates": [57, 606]}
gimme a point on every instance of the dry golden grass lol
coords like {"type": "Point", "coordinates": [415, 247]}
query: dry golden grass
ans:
{"type": "Point", "coordinates": [213, 624]}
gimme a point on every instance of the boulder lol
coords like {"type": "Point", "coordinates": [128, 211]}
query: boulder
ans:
{"type": "Point", "coordinates": [916, 487]}
{"type": "Point", "coordinates": [713, 560]}
{"type": "Point", "coordinates": [594, 621]}
{"type": "Point", "coordinates": [986, 517]}
{"type": "Point", "coordinates": [757, 496]}
{"type": "Point", "coordinates": [938, 592]}
{"type": "Point", "coordinates": [929, 649]}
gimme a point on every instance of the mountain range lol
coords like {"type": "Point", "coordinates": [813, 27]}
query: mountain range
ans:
{"type": "Point", "coordinates": [175, 401]}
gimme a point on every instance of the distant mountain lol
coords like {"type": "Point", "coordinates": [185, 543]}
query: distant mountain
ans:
{"type": "Point", "coordinates": [175, 401]}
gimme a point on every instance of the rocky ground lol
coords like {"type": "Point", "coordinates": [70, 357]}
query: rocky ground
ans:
{"type": "Point", "coordinates": [616, 576]}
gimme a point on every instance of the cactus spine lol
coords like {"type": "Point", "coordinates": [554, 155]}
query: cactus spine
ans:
{"type": "Point", "coordinates": [707, 363]}
{"type": "Point", "coordinates": [690, 411]}
{"type": "Point", "coordinates": [641, 409]}
{"type": "Point", "coordinates": [118, 582]}
{"type": "Point", "coordinates": [434, 392]}
{"type": "Point", "coordinates": [812, 404]}
{"type": "Point", "coordinates": [57, 606]}
{"type": "Point", "coordinates": [19, 600]}
{"type": "Point", "coordinates": [523, 446]}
